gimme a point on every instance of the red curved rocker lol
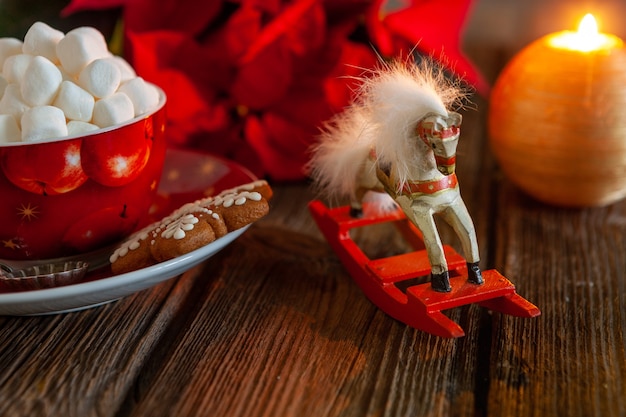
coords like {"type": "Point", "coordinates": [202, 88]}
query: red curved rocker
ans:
{"type": "Point", "coordinates": [420, 306]}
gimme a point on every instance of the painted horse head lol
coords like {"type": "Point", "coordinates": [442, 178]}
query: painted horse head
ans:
{"type": "Point", "coordinates": [441, 133]}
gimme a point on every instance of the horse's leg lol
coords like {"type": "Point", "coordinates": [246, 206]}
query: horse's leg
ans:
{"type": "Point", "coordinates": [422, 216]}
{"type": "Point", "coordinates": [457, 216]}
{"type": "Point", "coordinates": [356, 205]}
{"type": "Point", "coordinates": [365, 181]}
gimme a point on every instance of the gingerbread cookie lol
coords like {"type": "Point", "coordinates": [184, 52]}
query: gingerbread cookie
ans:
{"type": "Point", "coordinates": [134, 253]}
{"type": "Point", "coordinates": [260, 186]}
{"type": "Point", "coordinates": [182, 235]}
{"type": "Point", "coordinates": [193, 226]}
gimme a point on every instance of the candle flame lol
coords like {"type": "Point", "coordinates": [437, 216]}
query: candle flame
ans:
{"type": "Point", "coordinates": [588, 26]}
{"type": "Point", "coordinates": [587, 39]}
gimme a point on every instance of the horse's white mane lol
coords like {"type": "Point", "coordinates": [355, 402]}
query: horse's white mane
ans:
{"type": "Point", "coordinates": [398, 98]}
{"type": "Point", "coordinates": [388, 105]}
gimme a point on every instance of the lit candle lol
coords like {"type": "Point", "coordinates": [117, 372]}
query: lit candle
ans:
{"type": "Point", "coordinates": [557, 118]}
{"type": "Point", "coordinates": [586, 39]}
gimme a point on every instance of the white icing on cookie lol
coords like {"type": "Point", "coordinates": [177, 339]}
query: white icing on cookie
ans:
{"type": "Point", "coordinates": [237, 199]}
{"type": "Point", "coordinates": [246, 187]}
{"type": "Point", "coordinates": [131, 244]}
{"type": "Point", "coordinates": [178, 227]}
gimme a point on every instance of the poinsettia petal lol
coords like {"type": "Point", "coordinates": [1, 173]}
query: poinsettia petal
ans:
{"type": "Point", "coordinates": [307, 31]}
{"type": "Point", "coordinates": [264, 80]}
{"type": "Point", "coordinates": [305, 105]}
{"type": "Point", "coordinates": [343, 81]}
{"type": "Point", "coordinates": [438, 36]}
{"type": "Point", "coordinates": [341, 10]}
{"type": "Point", "coordinates": [267, 6]}
{"type": "Point", "coordinates": [320, 60]}
{"type": "Point", "coordinates": [378, 32]}
{"type": "Point", "coordinates": [226, 140]}
{"type": "Point", "coordinates": [191, 16]}
{"type": "Point", "coordinates": [157, 50]}
{"type": "Point", "coordinates": [288, 22]}
{"type": "Point", "coordinates": [186, 105]}
{"type": "Point", "coordinates": [240, 31]}
{"type": "Point", "coordinates": [432, 27]}
{"type": "Point", "coordinates": [75, 6]}
{"type": "Point", "coordinates": [281, 146]}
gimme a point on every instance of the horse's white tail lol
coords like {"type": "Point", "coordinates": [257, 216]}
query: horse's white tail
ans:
{"type": "Point", "coordinates": [339, 155]}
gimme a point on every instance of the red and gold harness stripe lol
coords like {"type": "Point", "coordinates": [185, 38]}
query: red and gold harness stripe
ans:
{"type": "Point", "coordinates": [416, 188]}
{"type": "Point", "coordinates": [430, 187]}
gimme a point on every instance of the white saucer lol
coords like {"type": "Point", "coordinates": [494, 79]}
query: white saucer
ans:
{"type": "Point", "coordinates": [187, 175]}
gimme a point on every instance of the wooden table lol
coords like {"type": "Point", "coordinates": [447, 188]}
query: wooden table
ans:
{"type": "Point", "coordinates": [274, 326]}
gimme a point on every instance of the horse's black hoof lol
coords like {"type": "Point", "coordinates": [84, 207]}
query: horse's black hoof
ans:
{"type": "Point", "coordinates": [356, 213]}
{"type": "Point", "coordinates": [440, 282]}
{"type": "Point", "coordinates": [474, 275]}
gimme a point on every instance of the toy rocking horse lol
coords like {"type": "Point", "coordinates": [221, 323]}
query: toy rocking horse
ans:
{"type": "Point", "coordinates": [398, 139]}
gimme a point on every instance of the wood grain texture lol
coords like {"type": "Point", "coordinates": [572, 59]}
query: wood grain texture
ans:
{"type": "Point", "coordinates": [572, 360]}
{"type": "Point", "coordinates": [82, 364]}
{"type": "Point", "coordinates": [287, 333]}
{"type": "Point", "coordinates": [274, 326]}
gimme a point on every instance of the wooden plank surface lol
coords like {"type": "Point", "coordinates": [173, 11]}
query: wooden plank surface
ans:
{"type": "Point", "coordinates": [273, 325]}
{"type": "Point", "coordinates": [571, 263]}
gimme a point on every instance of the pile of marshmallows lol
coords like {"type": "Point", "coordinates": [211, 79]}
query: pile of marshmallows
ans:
{"type": "Point", "coordinates": [55, 85]}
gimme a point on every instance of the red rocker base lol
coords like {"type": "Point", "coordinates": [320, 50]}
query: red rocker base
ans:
{"type": "Point", "coordinates": [420, 307]}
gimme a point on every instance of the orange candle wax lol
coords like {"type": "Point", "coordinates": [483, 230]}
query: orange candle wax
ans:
{"type": "Point", "coordinates": [557, 118]}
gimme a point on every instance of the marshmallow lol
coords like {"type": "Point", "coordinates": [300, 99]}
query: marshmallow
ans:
{"type": "Point", "coordinates": [42, 40]}
{"type": "Point", "coordinates": [75, 127]}
{"type": "Point", "coordinates": [12, 102]}
{"type": "Point", "coordinates": [126, 70]}
{"type": "Point", "coordinates": [9, 130]}
{"type": "Point", "coordinates": [80, 47]}
{"type": "Point", "coordinates": [43, 122]}
{"type": "Point", "coordinates": [41, 82]}
{"type": "Point", "coordinates": [52, 85]}
{"type": "Point", "coordinates": [76, 103]}
{"type": "Point", "coordinates": [3, 85]}
{"type": "Point", "coordinates": [101, 78]}
{"type": "Point", "coordinates": [144, 96]}
{"type": "Point", "coordinates": [14, 67]}
{"type": "Point", "coordinates": [113, 110]}
{"type": "Point", "coordinates": [9, 47]}
{"type": "Point", "coordinates": [65, 75]}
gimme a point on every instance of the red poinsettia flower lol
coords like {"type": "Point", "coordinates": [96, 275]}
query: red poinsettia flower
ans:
{"type": "Point", "coordinates": [254, 79]}
{"type": "Point", "coordinates": [433, 27]}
